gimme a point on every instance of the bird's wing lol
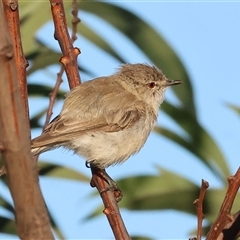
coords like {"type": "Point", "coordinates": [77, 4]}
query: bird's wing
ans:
{"type": "Point", "coordinates": [108, 110]}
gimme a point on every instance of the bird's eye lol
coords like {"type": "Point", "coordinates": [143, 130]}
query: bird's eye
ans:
{"type": "Point", "coordinates": [151, 84]}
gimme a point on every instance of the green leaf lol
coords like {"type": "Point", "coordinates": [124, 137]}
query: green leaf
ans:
{"type": "Point", "coordinates": [36, 90]}
{"type": "Point", "coordinates": [168, 191]}
{"type": "Point", "coordinates": [147, 192]}
{"type": "Point", "coordinates": [235, 108]}
{"type": "Point", "coordinates": [34, 121]}
{"type": "Point", "coordinates": [140, 238]}
{"type": "Point", "coordinates": [158, 192]}
{"type": "Point", "coordinates": [33, 17]}
{"type": "Point", "coordinates": [7, 226]}
{"type": "Point", "coordinates": [58, 171]}
{"type": "Point", "coordinates": [216, 196]}
{"type": "Point", "coordinates": [149, 41]}
{"type": "Point", "coordinates": [91, 35]}
{"type": "Point", "coordinates": [43, 57]}
{"type": "Point", "coordinates": [197, 141]}
{"type": "Point", "coordinates": [55, 227]}
{"type": "Point", "coordinates": [6, 205]}
{"type": "Point", "coordinates": [99, 41]}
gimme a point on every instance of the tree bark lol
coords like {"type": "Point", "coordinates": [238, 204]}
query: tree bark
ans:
{"type": "Point", "coordinates": [30, 212]}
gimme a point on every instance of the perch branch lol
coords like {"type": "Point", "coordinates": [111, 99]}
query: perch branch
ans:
{"type": "Point", "coordinates": [69, 61]}
{"type": "Point", "coordinates": [111, 207]}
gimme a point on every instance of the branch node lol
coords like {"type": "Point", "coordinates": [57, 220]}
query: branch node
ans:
{"type": "Point", "coordinates": [230, 179]}
{"type": "Point", "coordinates": [77, 51]}
{"type": "Point", "coordinates": [2, 148]}
{"type": "Point", "coordinates": [13, 6]}
{"type": "Point", "coordinates": [64, 60]}
{"type": "Point", "coordinates": [106, 211]}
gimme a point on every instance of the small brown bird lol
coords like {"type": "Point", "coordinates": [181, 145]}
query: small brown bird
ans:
{"type": "Point", "coordinates": [108, 119]}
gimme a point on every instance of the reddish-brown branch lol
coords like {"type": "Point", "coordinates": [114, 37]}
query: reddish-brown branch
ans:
{"type": "Point", "coordinates": [52, 97]}
{"type": "Point", "coordinates": [30, 212]}
{"type": "Point", "coordinates": [75, 20]}
{"type": "Point", "coordinates": [225, 219]}
{"type": "Point", "coordinates": [12, 14]}
{"type": "Point", "coordinates": [111, 207]}
{"type": "Point", "coordinates": [13, 21]}
{"type": "Point", "coordinates": [232, 229]}
{"type": "Point", "coordinates": [199, 207]}
{"type": "Point", "coordinates": [69, 58]}
{"type": "Point", "coordinates": [69, 61]}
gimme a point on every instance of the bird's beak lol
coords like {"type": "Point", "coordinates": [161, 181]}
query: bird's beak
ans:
{"type": "Point", "coordinates": [170, 82]}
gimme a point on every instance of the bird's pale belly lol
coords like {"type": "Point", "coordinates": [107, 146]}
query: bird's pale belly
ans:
{"type": "Point", "coordinates": [107, 148]}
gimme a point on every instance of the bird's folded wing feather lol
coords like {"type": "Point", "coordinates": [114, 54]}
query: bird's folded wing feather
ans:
{"type": "Point", "coordinates": [109, 112]}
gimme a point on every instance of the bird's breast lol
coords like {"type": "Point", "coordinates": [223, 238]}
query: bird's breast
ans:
{"type": "Point", "coordinates": [107, 148]}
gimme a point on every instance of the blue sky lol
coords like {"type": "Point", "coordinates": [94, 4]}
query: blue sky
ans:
{"type": "Point", "coordinates": [206, 37]}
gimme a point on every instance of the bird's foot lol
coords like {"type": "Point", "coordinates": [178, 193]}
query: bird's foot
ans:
{"type": "Point", "coordinates": [112, 185]}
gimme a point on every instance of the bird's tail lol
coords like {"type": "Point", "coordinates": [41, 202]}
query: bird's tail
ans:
{"type": "Point", "coordinates": [38, 150]}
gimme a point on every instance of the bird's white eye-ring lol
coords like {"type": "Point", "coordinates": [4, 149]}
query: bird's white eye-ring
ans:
{"type": "Point", "coordinates": [151, 84]}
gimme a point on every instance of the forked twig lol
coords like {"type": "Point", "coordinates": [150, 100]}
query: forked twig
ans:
{"type": "Point", "coordinates": [199, 207]}
{"type": "Point", "coordinates": [53, 94]}
{"type": "Point", "coordinates": [69, 58]}
{"type": "Point", "coordinates": [225, 220]}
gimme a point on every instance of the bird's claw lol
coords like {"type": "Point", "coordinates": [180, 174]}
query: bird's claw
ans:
{"type": "Point", "coordinates": [112, 186]}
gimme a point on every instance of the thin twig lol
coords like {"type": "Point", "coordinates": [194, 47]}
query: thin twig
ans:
{"type": "Point", "coordinates": [224, 217]}
{"type": "Point", "coordinates": [52, 98]}
{"type": "Point", "coordinates": [75, 20]}
{"type": "Point", "coordinates": [53, 94]}
{"type": "Point", "coordinates": [199, 207]}
{"type": "Point", "coordinates": [69, 58]}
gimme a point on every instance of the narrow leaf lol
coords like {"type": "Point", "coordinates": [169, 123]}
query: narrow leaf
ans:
{"type": "Point", "coordinates": [59, 171]}
{"type": "Point", "coordinates": [149, 41]}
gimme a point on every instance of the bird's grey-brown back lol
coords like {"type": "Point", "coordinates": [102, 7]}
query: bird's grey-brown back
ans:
{"type": "Point", "coordinates": [108, 119]}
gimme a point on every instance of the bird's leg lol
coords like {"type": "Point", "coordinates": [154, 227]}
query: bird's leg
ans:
{"type": "Point", "coordinates": [111, 183]}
